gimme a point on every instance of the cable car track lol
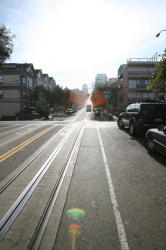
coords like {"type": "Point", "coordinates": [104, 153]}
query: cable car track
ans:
{"type": "Point", "coordinates": [9, 179]}
{"type": "Point", "coordinates": [10, 216]}
{"type": "Point", "coordinates": [41, 227]}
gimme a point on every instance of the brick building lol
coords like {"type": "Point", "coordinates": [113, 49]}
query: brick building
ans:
{"type": "Point", "coordinates": [134, 77]}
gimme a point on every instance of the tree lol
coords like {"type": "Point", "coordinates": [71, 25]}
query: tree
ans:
{"type": "Point", "coordinates": [6, 43]}
{"type": "Point", "coordinates": [158, 80]}
{"type": "Point", "coordinates": [42, 96]}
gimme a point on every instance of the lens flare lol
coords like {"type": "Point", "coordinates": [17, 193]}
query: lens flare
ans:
{"type": "Point", "coordinates": [75, 213]}
{"type": "Point", "coordinates": [78, 97]}
{"type": "Point", "coordinates": [74, 230]}
{"type": "Point", "coordinates": [98, 97]}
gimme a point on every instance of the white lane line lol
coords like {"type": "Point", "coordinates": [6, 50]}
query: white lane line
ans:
{"type": "Point", "coordinates": [119, 222]}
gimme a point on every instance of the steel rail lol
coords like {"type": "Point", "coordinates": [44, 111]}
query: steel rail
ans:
{"type": "Point", "coordinates": [80, 116]}
{"type": "Point", "coordinates": [41, 227]}
{"type": "Point", "coordinates": [16, 207]}
{"type": "Point", "coordinates": [23, 166]}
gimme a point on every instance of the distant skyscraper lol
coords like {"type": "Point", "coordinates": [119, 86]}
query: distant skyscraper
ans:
{"type": "Point", "coordinates": [85, 88]}
{"type": "Point", "coordinates": [100, 79]}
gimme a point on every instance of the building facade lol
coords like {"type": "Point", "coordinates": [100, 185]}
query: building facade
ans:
{"type": "Point", "coordinates": [134, 76]}
{"type": "Point", "coordinates": [100, 80]}
{"type": "Point", "coordinates": [16, 84]}
{"type": "Point", "coordinates": [85, 88]}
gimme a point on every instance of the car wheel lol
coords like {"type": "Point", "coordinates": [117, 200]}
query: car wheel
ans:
{"type": "Point", "coordinates": [150, 144]}
{"type": "Point", "coordinates": [120, 124]}
{"type": "Point", "coordinates": [132, 130]}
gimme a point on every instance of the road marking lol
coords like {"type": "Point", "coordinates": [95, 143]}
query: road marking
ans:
{"type": "Point", "coordinates": [118, 219]}
{"type": "Point", "coordinates": [24, 144]}
{"type": "Point", "coordinates": [15, 208]}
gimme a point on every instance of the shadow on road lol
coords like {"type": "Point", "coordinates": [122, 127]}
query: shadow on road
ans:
{"type": "Point", "coordinates": [101, 118]}
{"type": "Point", "coordinates": [156, 156]}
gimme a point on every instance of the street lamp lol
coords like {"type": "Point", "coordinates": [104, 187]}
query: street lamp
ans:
{"type": "Point", "coordinates": [159, 33]}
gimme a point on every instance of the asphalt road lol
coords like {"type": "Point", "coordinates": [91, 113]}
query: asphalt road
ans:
{"type": "Point", "coordinates": [99, 189]}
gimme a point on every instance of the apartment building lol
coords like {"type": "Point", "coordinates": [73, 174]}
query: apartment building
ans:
{"type": "Point", "coordinates": [44, 79]}
{"type": "Point", "coordinates": [51, 83]}
{"type": "Point", "coordinates": [39, 78]}
{"type": "Point", "coordinates": [134, 76]}
{"type": "Point", "coordinates": [16, 84]}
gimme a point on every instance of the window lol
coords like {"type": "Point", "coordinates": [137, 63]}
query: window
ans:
{"type": "Point", "coordinates": [131, 95]}
{"type": "Point", "coordinates": [29, 81]}
{"type": "Point", "coordinates": [151, 69]}
{"type": "Point", "coordinates": [23, 80]}
{"type": "Point", "coordinates": [145, 69]}
{"type": "Point", "coordinates": [151, 95]}
{"type": "Point", "coordinates": [132, 84]}
{"type": "Point", "coordinates": [145, 95]}
{"type": "Point", "coordinates": [131, 69]}
{"type": "Point", "coordinates": [142, 81]}
{"type": "Point", "coordinates": [24, 94]}
{"type": "Point", "coordinates": [139, 95]}
{"type": "Point", "coordinates": [9, 66]}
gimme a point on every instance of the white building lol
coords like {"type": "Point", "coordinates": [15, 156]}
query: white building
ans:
{"type": "Point", "coordinates": [85, 88]}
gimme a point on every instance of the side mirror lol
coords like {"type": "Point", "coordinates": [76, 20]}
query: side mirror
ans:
{"type": "Point", "coordinates": [120, 114]}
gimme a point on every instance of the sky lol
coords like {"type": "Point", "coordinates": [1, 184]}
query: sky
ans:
{"type": "Point", "coordinates": [74, 40]}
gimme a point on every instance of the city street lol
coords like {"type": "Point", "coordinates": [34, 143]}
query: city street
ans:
{"type": "Point", "coordinates": [79, 183]}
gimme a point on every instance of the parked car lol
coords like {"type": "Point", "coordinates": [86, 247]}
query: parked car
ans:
{"type": "Point", "coordinates": [69, 111]}
{"type": "Point", "coordinates": [110, 115]}
{"type": "Point", "coordinates": [139, 117]}
{"type": "Point", "coordinates": [27, 115]}
{"type": "Point", "coordinates": [97, 112]}
{"type": "Point", "coordinates": [156, 140]}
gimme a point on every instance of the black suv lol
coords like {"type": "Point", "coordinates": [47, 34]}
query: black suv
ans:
{"type": "Point", "coordinates": [139, 117]}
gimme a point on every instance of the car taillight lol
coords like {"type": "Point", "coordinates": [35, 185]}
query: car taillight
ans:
{"type": "Point", "coordinates": [141, 117]}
